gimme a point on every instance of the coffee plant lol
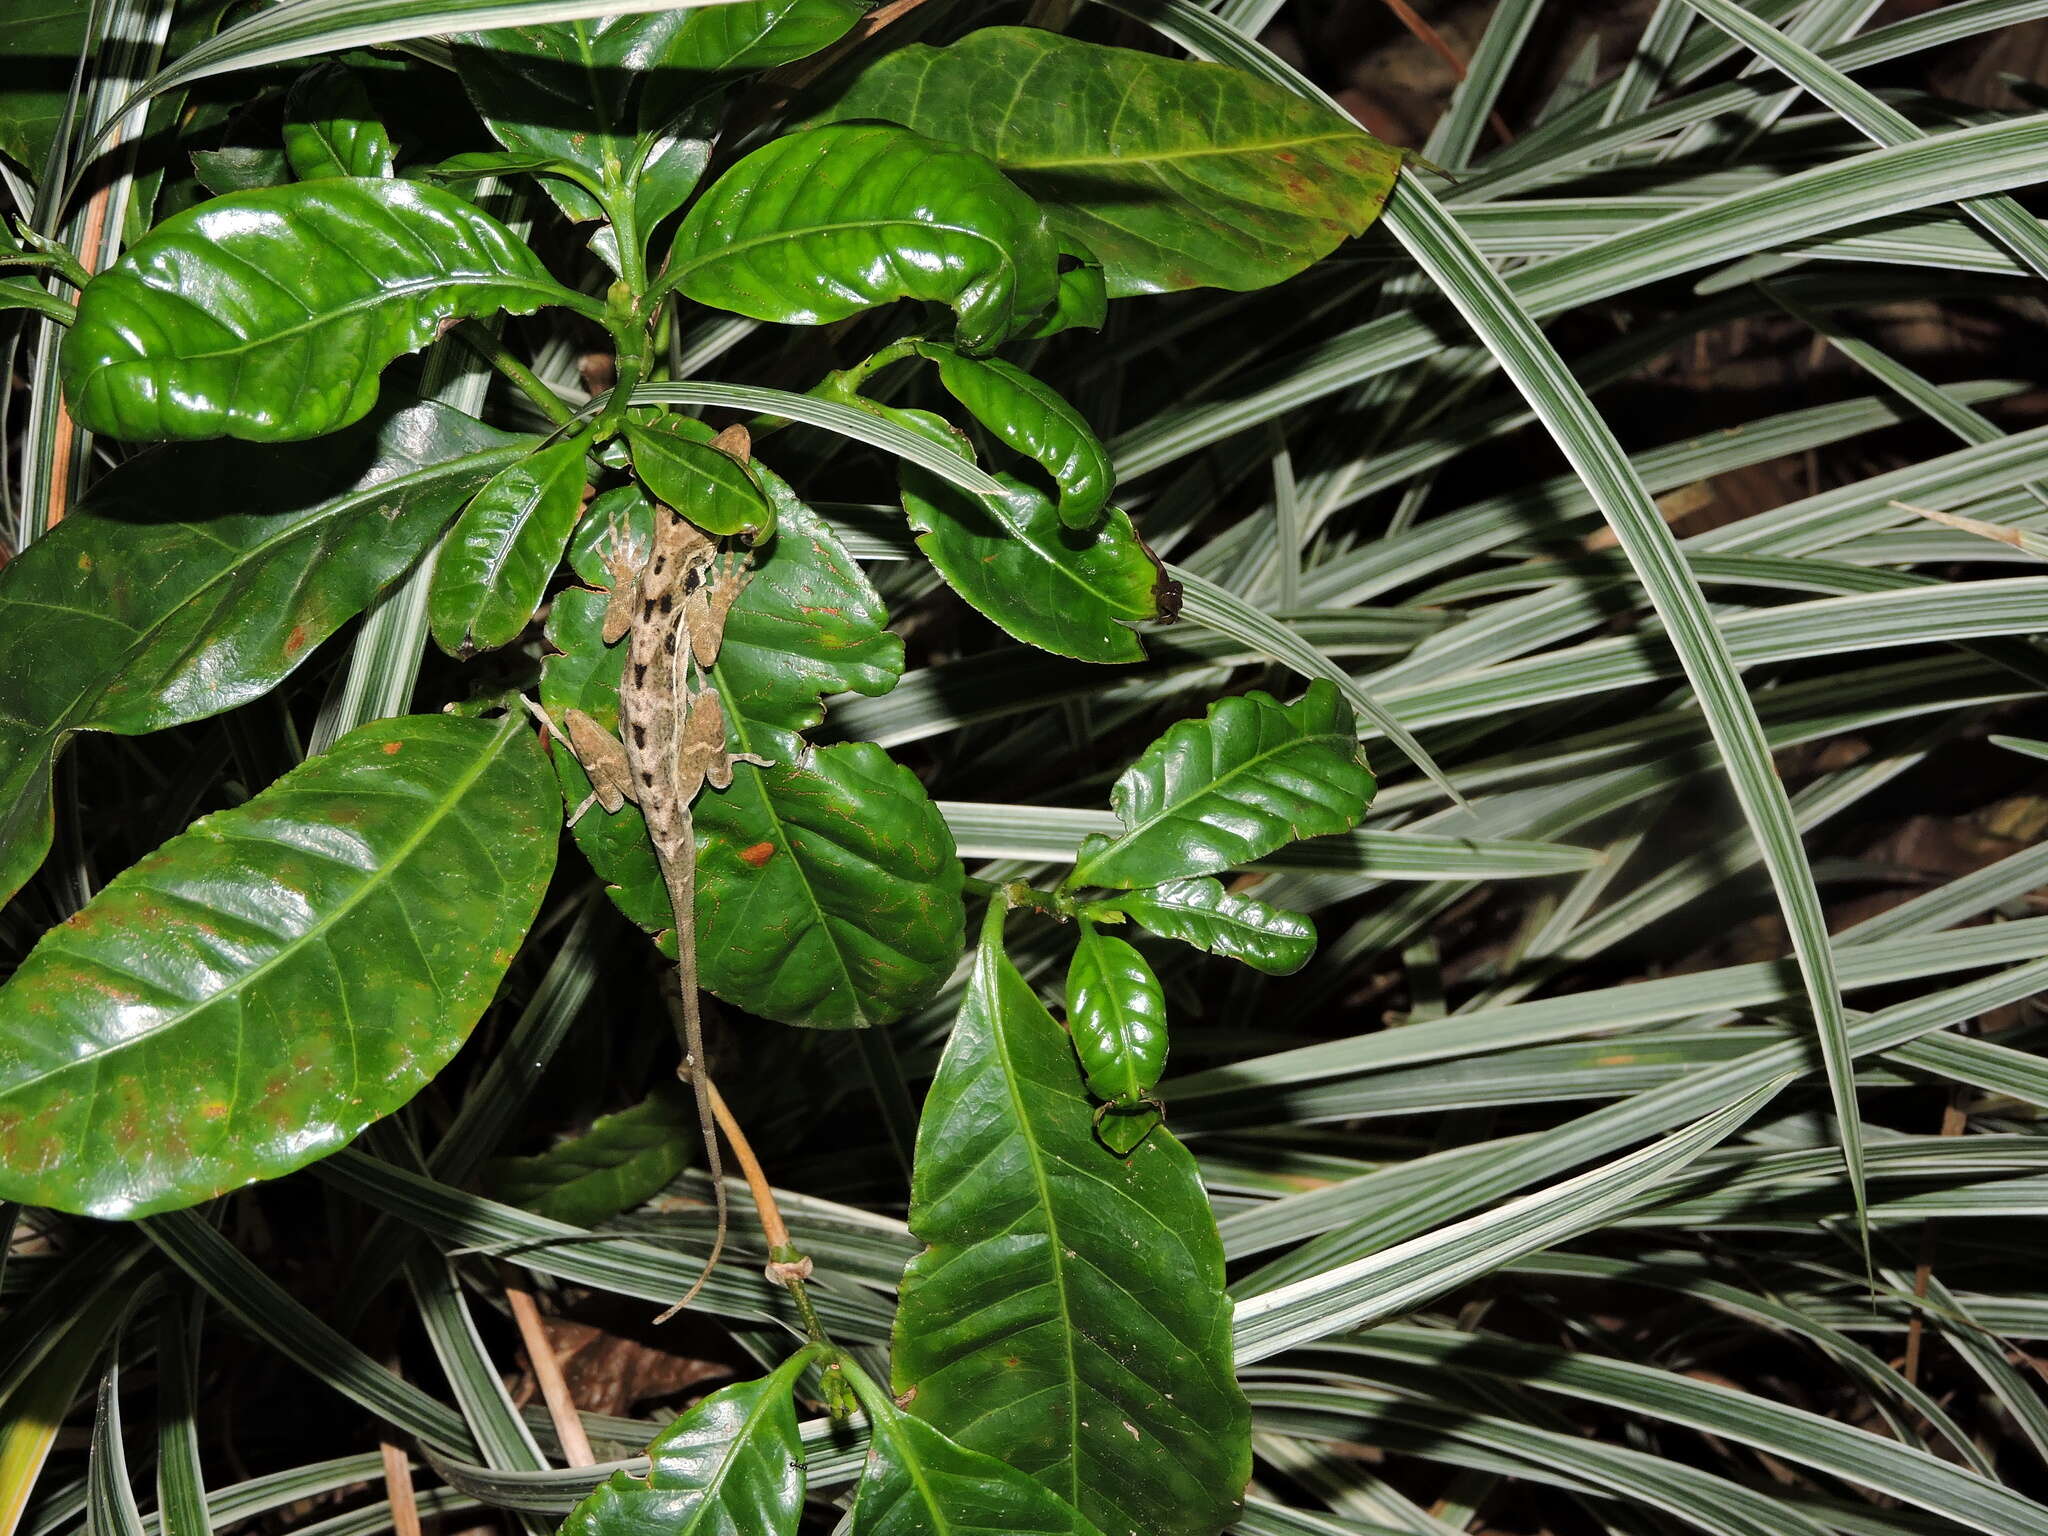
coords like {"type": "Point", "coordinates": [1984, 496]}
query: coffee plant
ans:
{"type": "Point", "coordinates": [678, 376]}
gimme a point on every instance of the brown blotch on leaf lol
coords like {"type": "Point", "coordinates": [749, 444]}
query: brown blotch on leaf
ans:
{"type": "Point", "coordinates": [757, 855]}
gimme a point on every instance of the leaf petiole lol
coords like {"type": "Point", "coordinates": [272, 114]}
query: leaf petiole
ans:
{"type": "Point", "coordinates": [488, 346]}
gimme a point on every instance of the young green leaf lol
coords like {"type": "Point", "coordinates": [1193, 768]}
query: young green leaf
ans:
{"type": "Point", "coordinates": [1032, 418]}
{"type": "Point", "coordinates": [919, 1483]}
{"type": "Point", "coordinates": [1116, 1014]}
{"type": "Point", "coordinates": [330, 129]}
{"type": "Point", "coordinates": [822, 225]}
{"type": "Point", "coordinates": [1202, 913]}
{"type": "Point", "coordinates": [1059, 588]}
{"type": "Point", "coordinates": [268, 315]}
{"type": "Point", "coordinates": [620, 1162]}
{"type": "Point", "coordinates": [1174, 174]}
{"type": "Point", "coordinates": [503, 549]}
{"type": "Point", "coordinates": [1255, 775]}
{"type": "Point", "coordinates": [152, 604]}
{"type": "Point", "coordinates": [1067, 1315]}
{"type": "Point", "coordinates": [263, 986]}
{"type": "Point", "coordinates": [732, 1466]}
{"type": "Point", "coordinates": [674, 456]}
{"type": "Point", "coordinates": [632, 102]}
{"type": "Point", "coordinates": [1082, 302]}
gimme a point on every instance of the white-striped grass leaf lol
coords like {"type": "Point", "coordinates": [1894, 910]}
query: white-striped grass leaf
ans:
{"type": "Point", "coordinates": [1964, 162]}
{"type": "Point", "coordinates": [1901, 1471]}
{"type": "Point", "coordinates": [1480, 1177]}
{"type": "Point", "coordinates": [182, 1505]}
{"type": "Point", "coordinates": [273, 1315]}
{"type": "Point", "coordinates": [1685, 1274]}
{"type": "Point", "coordinates": [110, 1507]}
{"type": "Point", "coordinates": [625, 1266]}
{"type": "Point", "coordinates": [845, 420]}
{"type": "Point", "coordinates": [2017, 229]}
{"type": "Point", "coordinates": [1403, 1277]}
{"type": "Point", "coordinates": [298, 29]}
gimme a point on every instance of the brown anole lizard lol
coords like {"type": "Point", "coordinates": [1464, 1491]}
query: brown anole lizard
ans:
{"type": "Point", "coordinates": [669, 604]}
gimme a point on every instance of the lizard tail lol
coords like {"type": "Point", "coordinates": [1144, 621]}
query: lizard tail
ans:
{"type": "Point", "coordinates": [680, 876]}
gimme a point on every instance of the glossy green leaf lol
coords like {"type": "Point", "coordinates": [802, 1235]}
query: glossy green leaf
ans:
{"type": "Point", "coordinates": [622, 1161]}
{"type": "Point", "coordinates": [153, 603]}
{"type": "Point", "coordinates": [263, 986]}
{"type": "Point", "coordinates": [1255, 775]}
{"type": "Point", "coordinates": [268, 315]}
{"type": "Point", "coordinates": [1082, 302]}
{"type": "Point", "coordinates": [919, 1483]}
{"type": "Point", "coordinates": [1031, 418]}
{"type": "Point", "coordinates": [1116, 1014]}
{"type": "Point", "coordinates": [824, 224]}
{"type": "Point", "coordinates": [732, 1466]}
{"type": "Point", "coordinates": [330, 129]}
{"type": "Point", "coordinates": [563, 93]}
{"type": "Point", "coordinates": [827, 889]}
{"type": "Point", "coordinates": [699, 54]}
{"type": "Point", "coordinates": [502, 551]}
{"type": "Point", "coordinates": [240, 168]}
{"type": "Point", "coordinates": [674, 456]}
{"type": "Point", "coordinates": [1174, 174]}
{"type": "Point", "coordinates": [1066, 590]}
{"type": "Point", "coordinates": [1067, 1315]}
{"type": "Point", "coordinates": [1203, 913]}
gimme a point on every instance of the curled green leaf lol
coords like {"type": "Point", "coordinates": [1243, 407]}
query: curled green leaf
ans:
{"type": "Point", "coordinates": [674, 456]}
{"type": "Point", "coordinates": [1221, 922]}
{"type": "Point", "coordinates": [269, 314]}
{"type": "Point", "coordinates": [824, 224]}
{"type": "Point", "coordinates": [1070, 591]}
{"type": "Point", "coordinates": [1032, 418]}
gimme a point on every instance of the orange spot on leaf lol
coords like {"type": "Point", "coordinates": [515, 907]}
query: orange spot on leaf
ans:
{"type": "Point", "coordinates": [393, 748]}
{"type": "Point", "coordinates": [757, 855]}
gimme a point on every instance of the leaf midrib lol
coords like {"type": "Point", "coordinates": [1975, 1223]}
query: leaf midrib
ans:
{"type": "Point", "coordinates": [1213, 151]}
{"type": "Point", "coordinates": [679, 271]}
{"type": "Point", "coordinates": [546, 287]}
{"type": "Point", "coordinates": [373, 881]}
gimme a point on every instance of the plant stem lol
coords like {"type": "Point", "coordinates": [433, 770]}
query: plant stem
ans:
{"type": "Point", "coordinates": [787, 1265]}
{"type": "Point", "coordinates": [501, 357]}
